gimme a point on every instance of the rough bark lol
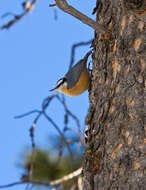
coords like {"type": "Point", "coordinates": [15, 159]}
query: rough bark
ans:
{"type": "Point", "coordinates": [115, 155]}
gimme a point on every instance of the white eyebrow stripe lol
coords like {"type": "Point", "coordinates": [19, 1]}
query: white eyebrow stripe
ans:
{"type": "Point", "coordinates": [59, 82]}
{"type": "Point", "coordinates": [61, 85]}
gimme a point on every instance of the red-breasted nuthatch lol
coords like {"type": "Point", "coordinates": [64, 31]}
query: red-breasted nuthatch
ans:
{"type": "Point", "coordinates": [76, 80]}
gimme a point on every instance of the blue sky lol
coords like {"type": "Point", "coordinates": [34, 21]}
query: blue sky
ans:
{"type": "Point", "coordinates": [34, 54]}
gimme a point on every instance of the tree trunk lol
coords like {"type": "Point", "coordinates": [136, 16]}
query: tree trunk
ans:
{"type": "Point", "coordinates": [115, 142]}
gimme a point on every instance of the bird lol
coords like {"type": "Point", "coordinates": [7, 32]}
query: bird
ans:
{"type": "Point", "coordinates": [76, 80]}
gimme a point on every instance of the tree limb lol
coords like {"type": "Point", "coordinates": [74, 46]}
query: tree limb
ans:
{"type": "Point", "coordinates": [63, 5]}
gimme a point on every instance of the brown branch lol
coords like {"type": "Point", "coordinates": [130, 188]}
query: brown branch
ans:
{"type": "Point", "coordinates": [28, 6]}
{"type": "Point", "coordinates": [63, 5]}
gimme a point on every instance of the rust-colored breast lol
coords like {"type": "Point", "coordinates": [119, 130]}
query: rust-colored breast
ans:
{"type": "Point", "coordinates": [80, 87]}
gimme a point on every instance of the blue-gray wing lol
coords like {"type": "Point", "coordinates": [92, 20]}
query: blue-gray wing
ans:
{"type": "Point", "coordinates": [74, 73]}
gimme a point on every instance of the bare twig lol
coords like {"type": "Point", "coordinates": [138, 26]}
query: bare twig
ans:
{"type": "Point", "coordinates": [27, 114]}
{"type": "Point", "coordinates": [74, 46]}
{"type": "Point", "coordinates": [52, 5]}
{"type": "Point", "coordinates": [63, 5]}
{"type": "Point", "coordinates": [60, 133]}
{"type": "Point", "coordinates": [45, 105]}
{"type": "Point", "coordinates": [51, 183]}
{"type": "Point", "coordinates": [28, 6]}
{"type": "Point", "coordinates": [67, 177]}
{"type": "Point", "coordinates": [12, 184]}
{"type": "Point", "coordinates": [68, 112]}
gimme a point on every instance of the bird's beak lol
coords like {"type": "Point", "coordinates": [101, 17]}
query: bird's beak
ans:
{"type": "Point", "coordinates": [53, 89]}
